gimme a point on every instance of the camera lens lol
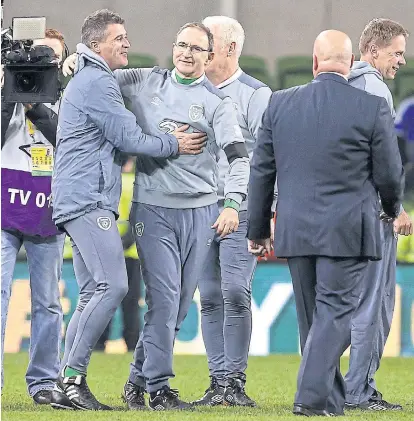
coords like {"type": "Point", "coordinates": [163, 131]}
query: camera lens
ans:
{"type": "Point", "coordinates": [26, 82]}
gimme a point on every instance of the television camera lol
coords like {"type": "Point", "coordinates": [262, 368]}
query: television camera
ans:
{"type": "Point", "coordinates": [31, 72]}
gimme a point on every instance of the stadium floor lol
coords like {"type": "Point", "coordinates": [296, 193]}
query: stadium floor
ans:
{"type": "Point", "coordinates": [271, 382]}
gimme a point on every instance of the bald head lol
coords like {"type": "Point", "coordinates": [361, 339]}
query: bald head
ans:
{"type": "Point", "coordinates": [332, 52]}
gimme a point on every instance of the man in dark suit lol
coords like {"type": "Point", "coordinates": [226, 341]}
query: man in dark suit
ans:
{"type": "Point", "coordinates": [334, 149]}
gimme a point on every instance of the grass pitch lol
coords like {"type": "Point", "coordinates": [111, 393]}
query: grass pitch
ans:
{"type": "Point", "coordinates": [271, 382]}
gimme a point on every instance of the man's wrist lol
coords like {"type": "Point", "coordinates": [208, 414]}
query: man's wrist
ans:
{"type": "Point", "coordinates": [230, 203]}
{"type": "Point", "coordinates": [32, 109]}
{"type": "Point", "coordinates": [174, 141]}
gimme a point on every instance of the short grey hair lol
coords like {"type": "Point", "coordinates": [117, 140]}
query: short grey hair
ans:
{"type": "Point", "coordinates": [231, 31]}
{"type": "Point", "coordinates": [380, 32]}
{"type": "Point", "coordinates": [201, 27]}
{"type": "Point", "coordinates": [95, 25]}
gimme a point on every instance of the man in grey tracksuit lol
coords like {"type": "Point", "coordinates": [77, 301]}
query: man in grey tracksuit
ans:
{"type": "Point", "coordinates": [380, 59]}
{"type": "Point", "coordinates": [93, 128]}
{"type": "Point", "coordinates": [175, 202]}
{"type": "Point", "coordinates": [225, 282]}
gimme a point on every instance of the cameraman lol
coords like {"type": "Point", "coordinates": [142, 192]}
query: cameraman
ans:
{"type": "Point", "coordinates": [26, 219]}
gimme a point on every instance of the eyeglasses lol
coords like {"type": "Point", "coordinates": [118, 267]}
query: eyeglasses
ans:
{"type": "Point", "coordinates": [194, 49]}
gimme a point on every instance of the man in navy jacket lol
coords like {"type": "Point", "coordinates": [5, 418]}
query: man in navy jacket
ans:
{"type": "Point", "coordinates": [334, 149]}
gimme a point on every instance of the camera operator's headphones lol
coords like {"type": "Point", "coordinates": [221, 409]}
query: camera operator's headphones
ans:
{"type": "Point", "coordinates": [66, 53]}
{"type": "Point", "coordinates": [62, 79]}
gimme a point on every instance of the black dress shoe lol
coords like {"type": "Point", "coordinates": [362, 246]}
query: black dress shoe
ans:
{"type": "Point", "coordinates": [42, 397]}
{"type": "Point", "coordinates": [306, 411]}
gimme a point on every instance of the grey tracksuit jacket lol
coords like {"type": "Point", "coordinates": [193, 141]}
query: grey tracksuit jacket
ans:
{"type": "Point", "coordinates": [161, 104]}
{"type": "Point", "coordinates": [93, 127]}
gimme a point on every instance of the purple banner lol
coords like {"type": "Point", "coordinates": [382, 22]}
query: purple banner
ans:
{"type": "Point", "coordinates": [25, 203]}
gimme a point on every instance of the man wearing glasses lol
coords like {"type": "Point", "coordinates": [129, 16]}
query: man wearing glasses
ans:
{"type": "Point", "coordinates": [175, 212]}
{"type": "Point", "coordinates": [94, 128]}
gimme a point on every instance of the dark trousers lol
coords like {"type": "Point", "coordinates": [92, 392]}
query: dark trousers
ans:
{"type": "Point", "coordinates": [130, 308]}
{"type": "Point", "coordinates": [326, 294]}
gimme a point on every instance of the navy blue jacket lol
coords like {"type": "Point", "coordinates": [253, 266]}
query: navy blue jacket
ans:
{"type": "Point", "coordinates": [334, 149]}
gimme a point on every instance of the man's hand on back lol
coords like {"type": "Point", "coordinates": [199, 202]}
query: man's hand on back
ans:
{"type": "Point", "coordinates": [189, 143]}
{"type": "Point", "coordinates": [69, 65]}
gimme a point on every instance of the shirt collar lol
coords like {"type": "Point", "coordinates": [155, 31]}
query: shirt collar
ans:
{"type": "Point", "coordinates": [334, 73]}
{"type": "Point", "coordinates": [231, 79]}
{"type": "Point", "coordinates": [196, 82]}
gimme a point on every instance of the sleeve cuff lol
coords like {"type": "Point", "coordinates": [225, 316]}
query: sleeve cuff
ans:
{"type": "Point", "coordinates": [237, 197]}
{"type": "Point", "coordinates": [232, 204]}
{"type": "Point", "coordinates": [173, 140]}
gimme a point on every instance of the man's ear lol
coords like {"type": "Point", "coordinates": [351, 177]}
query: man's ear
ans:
{"type": "Point", "coordinates": [232, 49]}
{"type": "Point", "coordinates": [373, 49]}
{"type": "Point", "coordinates": [95, 47]}
{"type": "Point", "coordinates": [209, 59]}
{"type": "Point", "coordinates": [315, 65]}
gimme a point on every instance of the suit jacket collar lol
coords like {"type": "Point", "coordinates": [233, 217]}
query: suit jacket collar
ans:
{"type": "Point", "coordinates": [330, 76]}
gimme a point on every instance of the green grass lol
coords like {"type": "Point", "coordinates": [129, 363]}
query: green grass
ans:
{"type": "Point", "coordinates": [271, 381]}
